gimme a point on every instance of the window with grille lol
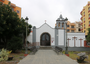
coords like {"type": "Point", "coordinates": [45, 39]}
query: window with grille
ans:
{"type": "Point", "coordinates": [12, 9]}
{"type": "Point", "coordinates": [72, 26]}
{"type": "Point", "coordinates": [17, 11]}
{"type": "Point", "coordinates": [68, 30]}
{"type": "Point", "coordinates": [67, 25]}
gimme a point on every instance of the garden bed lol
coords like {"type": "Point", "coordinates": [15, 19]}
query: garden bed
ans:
{"type": "Point", "coordinates": [16, 57]}
{"type": "Point", "coordinates": [73, 55]}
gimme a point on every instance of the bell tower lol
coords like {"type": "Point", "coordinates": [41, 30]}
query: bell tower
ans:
{"type": "Point", "coordinates": [61, 22]}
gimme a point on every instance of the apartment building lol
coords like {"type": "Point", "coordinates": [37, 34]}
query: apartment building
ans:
{"type": "Point", "coordinates": [14, 7]}
{"type": "Point", "coordinates": [85, 18]}
{"type": "Point", "coordinates": [71, 27]}
{"type": "Point", "coordinates": [78, 26]}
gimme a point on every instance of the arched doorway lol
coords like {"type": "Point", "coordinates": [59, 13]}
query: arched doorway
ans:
{"type": "Point", "coordinates": [45, 39]}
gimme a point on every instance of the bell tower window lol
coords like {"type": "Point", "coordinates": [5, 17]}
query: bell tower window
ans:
{"type": "Point", "coordinates": [62, 24]}
{"type": "Point", "coordinates": [59, 24]}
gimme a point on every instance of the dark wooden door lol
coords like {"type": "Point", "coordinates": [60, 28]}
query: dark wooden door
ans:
{"type": "Point", "coordinates": [45, 39]}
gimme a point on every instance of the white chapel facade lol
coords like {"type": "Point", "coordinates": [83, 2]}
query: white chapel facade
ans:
{"type": "Point", "coordinates": [45, 35]}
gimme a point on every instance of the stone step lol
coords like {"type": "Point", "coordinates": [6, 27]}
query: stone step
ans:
{"type": "Point", "coordinates": [45, 48]}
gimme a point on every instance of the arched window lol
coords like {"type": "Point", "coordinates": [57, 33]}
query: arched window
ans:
{"type": "Point", "coordinates": [62, 24]}
{"type": "Point", "coordinates": [59, 24]}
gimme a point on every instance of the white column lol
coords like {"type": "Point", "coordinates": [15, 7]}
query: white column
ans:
{"type": "Point", "coordinates": [57, 25]}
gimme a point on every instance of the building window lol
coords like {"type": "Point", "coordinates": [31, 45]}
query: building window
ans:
{"type": "Point", "coordinates": [84, 31]}
{"type": "Point", "coordinates": [67, 25]}
{"type": "Point", "coordinates": [89, 15]}
{"type": "Point", "coordinates": [84, 13]}
{"type": "Point", "coordinates": [12, 9]}
{"type": "Point", "coordinates": [84, 19]}
{"type": "Point", "coordinates": [89, 23]}
{"type": "Point", "coordinates": [84, 25]}
{"type": "Point", "coordinates": [67, 30]}
{"type": "Point", "coordinates": [17, 11]}
{"type": "Point", "coordinates": [72, 30]}
{"type": "Point", "coordinates": [79, 25]}
{"type": "Point", "coordinates": [79, 29]}
{"type": "Point", "coordinates": [89, 9]}
{"type": "Point", "coordinates": [72, 26]}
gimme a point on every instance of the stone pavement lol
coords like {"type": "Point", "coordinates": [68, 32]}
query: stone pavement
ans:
{"type": "Point", "coordinates": [47, 57]}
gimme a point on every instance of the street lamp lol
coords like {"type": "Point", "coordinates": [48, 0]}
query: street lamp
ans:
{"type": "Point", "coordinates": [66, 51]}
{"type": "Point", "coordinates": [26, 20]}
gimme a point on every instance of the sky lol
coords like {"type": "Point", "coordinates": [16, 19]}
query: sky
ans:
{"type": "Point", "coordinates": [40, 10]}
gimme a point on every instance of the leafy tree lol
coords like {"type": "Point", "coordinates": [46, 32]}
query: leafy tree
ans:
{"type": "Point", "coordinates": [14, 44]}
{"type": "Point", "coordinates": [10, 25]}
{"type": "Point", "coordinates": [88, 36]}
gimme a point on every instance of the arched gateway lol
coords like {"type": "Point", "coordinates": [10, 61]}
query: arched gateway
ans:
{"type": "Point", "coordinates": [45, 39]}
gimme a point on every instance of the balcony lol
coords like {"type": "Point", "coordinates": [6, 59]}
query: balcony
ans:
{"type": "Point", "coordinates": [13, 5]}
{"type": "Point", "coordinates": [81, 18]}
{"type": "Point", "coordinates": [81, 12]}
{"type": "Point", "coordinates": [2, 0]}
{"type": "Point", "coordinates": [88, 4]}
{"type": "Point", "coordinates": [84, 21]}
{"type": "Point", "coordinates": [81, 23]}
{"type": "Point", "coordinates": [73, 28]}
{"type": "Point", "coordinates": [84, 27]}
{"type": "Point", "coordinates": [88, 11]}
{"type": "Point", "coordinates": [81, 29]}
{"type": "Point", "coordinates": [89, 18]}
{"type": "Point", "coordinates": [89, 24]}
{"type": "Point", "coordinates": [83, 9]}
{"type": "Point", "coordinates": [73, 24]}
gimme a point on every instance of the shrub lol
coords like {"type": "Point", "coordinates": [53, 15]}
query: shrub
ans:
{"type": "Point", "coordinates": [4, 54]}
{"type": "Point", "coordinates": [15, 44]}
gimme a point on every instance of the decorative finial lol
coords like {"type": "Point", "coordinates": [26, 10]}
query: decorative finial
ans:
{"type": "Point", "coordinates": [45, 21]}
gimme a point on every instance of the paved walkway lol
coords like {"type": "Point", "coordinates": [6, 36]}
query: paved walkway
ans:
{"type": "Point", "coordinates": [47, 57]}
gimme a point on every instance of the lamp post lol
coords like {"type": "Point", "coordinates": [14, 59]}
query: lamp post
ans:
{"type": "Point", "coordinates": [26, 20]}
{"type": "Point", "coordinates": [66, 51]}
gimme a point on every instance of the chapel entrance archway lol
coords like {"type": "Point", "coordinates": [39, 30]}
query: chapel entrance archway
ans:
{"type": "Point", "coordinates": [45, 39]}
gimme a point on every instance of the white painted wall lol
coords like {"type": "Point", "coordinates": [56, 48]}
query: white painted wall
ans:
{"type": "Point", "coordinates": [78, 35]}
{"type": "Point", "coordinates": [29, 37]}
{"type": "Point", "coordinates": [61, 37]}
{"type": "Point", "coordinates": [45, 28]}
